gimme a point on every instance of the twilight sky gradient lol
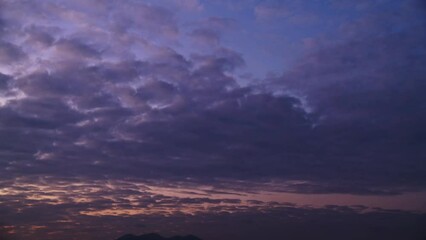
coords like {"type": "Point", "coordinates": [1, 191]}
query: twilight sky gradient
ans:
{"type": "Point", "coordinates": [229, 120]}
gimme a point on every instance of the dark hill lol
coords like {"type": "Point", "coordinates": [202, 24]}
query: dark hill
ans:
{"type": "Point", "coordinates": [154, 236]}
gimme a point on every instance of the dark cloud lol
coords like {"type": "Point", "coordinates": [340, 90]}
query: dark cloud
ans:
{"type": "Point", "coordinates": [4, 80]}
{"type": "Point", "coordinates": [174, 117]}
{"type": "Point", "coordinates": [104, 92]}
{"type": "Point", "coordinates": [208, 32]}
{"type": "Point", "coordinates": [75, 49]}
{"type": "Point", "coordinates": [278, 220]}
{"type": "Point", "coordinates": [181, 120]}
{"type": "Point", "coordinates": [206, 36]}
{"type": "Point", "coordinates": [224, 60]}
{"type": "Point", "coordinates": [219, 24]}
{"type": "Point", "coordinates": [40, 37]}
{"type": "Point", "coordinates": [190, 5]}
{"type": "Point", "coordinates": [368, 92]}
{"type": "Point", "coordinates": [267, 11]}
{"type": "Point", "coordinates": [10, 53]}
{"type": "Point", "coordinates": [149, 19]}
{"type": "Point", "coordinates": [2, 25]}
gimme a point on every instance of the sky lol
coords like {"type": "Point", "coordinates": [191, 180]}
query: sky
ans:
{"type": "Point", "coordinates": [239, 120]}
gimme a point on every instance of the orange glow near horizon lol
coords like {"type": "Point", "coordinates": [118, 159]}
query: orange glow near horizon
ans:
{"type": "Point", "coordinates": [126, 198]}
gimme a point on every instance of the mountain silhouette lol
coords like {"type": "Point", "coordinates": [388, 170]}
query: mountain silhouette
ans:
{"type": "Point", "coordinates": [155, 236]}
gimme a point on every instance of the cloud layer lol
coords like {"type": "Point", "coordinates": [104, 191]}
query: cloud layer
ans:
{"type": "Point", "coordinates": [95, 97]}
{"type": "Point", "coordinates": [155, 92]}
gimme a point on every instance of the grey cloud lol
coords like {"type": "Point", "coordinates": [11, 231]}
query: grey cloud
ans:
{"type": "Point", "coordinates": [63, 214]}
{"type": "Point", "coordinates": [267, 11]}
{"type": "Point", "coordinates": [281, 221]}
{"type": "Point", "coordinates": [149, 19]}
{"type": "Point", "coordinates": [2, 25]}
{"type": "Point", "coordinates": [209, 31]}
{"type": "Point", "coordinates": [206, 36]}
{"type": "Point", "coordinates": [219, 23]}
{"type": "Point", "coordinates": [359, 5]}
{"type": "Point", "coordinates": [367, 90]}
{"type": "Point", "coordinates": [224, 60]}
{"type": "Point", "coordinates": [62, 84]}
{"type": "Point", "coordinates": [175, 117]}
{"type": "Point", "coordinates": [114, 100]}
{"type": "Point", "coordinates": [75, 49]}
{"type": "Point", "coordinates": [39, 36]}
{"type": "Point", "coordinates": [95, 21]}
{"type": "Point", "coordinates": [10, 53]}
{"type": "Point", "coordinates": [190, 5]}
{"type": "Point", "coordinates": [188, 116]}
{"type": "Point", "coordinates": [4, 81]}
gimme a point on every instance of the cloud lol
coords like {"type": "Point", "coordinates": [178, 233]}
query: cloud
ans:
{"type": "Point", "coordinates": [206, 36]}
{"type": "Point", "coordinates": [39, 37]}
{"type": "Point", "coordinates": [267, 11]}
{"type": "Point", "coordinates": [190, 5]}
{"type": "Point", "coordinates": [150, 20]}
{"type": "Point", "coordinates": [104, 100]}
{"type": "Point", "coordinates": [123, 102]}
{"type": "Point", "coordinates": [4, 80]}
{"type": "Point", "coordinates": [10, 53]}
{"type": "Point", "coordinates": [124, 108]}
{"type": "Point", "coordinates": [132, 205]}
{"type": "Point", "coordinates": [219, 23]}
{"type": "Point", "coordinates": [367, 88]}
{"type": "Point", "coordinates": [171, 116]}
{"type": "Point", "coordinates": [75, 49]}
{"type": "Point", "coordinates": [209, 31]}
{"type": "Point", "coordinates": [289, 12]}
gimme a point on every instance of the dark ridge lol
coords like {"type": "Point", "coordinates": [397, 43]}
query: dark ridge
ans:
{"type": "Point", "coordinates": [155, 236]}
